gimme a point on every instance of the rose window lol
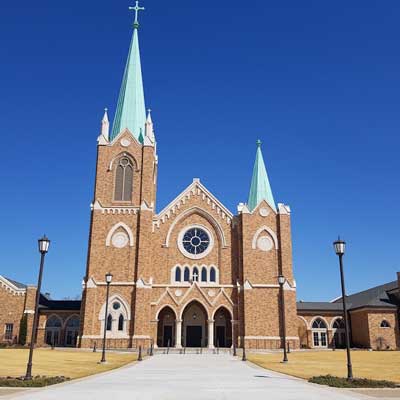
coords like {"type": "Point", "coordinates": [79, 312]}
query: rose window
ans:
{"type": "Point", "coordinates": [195, 241]}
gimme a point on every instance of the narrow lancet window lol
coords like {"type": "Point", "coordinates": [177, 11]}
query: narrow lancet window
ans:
{"type": "Point", "coordinates": [124, 180]}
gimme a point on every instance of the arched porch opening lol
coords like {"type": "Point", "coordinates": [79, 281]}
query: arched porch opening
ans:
{"type": "Point", "coordinates": [222, 328]}
{"type": "Point", "coordinates": [194, 325]}
{"type": "Point", "coordinates": [339, 336]}
{"type": "Point", "coordinates": [166, 335]}
{"type": "Point", "coordinates": [72, 331]}
{"type": "Point", "coordinates": [53, 331]}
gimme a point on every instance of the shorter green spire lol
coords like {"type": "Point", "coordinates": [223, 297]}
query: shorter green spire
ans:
{"type": "Point", "coordinates": [260, 188]}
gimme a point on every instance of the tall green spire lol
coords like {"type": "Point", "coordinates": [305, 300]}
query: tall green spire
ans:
{"type": "Point", "coordinates": [131, 110]}
{"type": "Point", "coordinates": [260, 188]}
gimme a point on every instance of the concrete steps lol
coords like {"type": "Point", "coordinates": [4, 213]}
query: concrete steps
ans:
{"type": "Point", "coordinates": [192, 350]}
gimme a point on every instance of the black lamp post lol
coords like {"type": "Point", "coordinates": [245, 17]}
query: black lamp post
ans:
{"type": "Point", "coordinates": [340, 246]}
{"type": "Point", "coordinates": [108, 281]}
{"type": "Point", "coordinates": [282, 280]}
{"type": "Point", "coordinates": [44, 244]}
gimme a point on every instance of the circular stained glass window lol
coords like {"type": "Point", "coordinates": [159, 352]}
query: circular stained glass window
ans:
{"type": "Point", "coordinates": [195, 241]}
{"type": "Point", "coordinates": [116, 305]}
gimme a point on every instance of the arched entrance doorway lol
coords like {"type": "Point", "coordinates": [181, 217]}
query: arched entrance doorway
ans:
{"type": "Point", "coordinates": [223, 328]}
{"type": "Point", "coordinates": [194, 325]}
{"type": "Point", "coordinates": [166, 328]}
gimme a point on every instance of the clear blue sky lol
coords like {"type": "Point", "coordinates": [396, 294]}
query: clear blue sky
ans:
{"type": "Point", "coordinates": [318, 82]}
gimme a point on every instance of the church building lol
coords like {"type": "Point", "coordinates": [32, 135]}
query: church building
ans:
{"type": "Point", "coordinates": [194, 274]}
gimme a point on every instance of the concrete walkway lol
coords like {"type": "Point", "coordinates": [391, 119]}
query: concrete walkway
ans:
{"type": "Point", "coordinates": [189, 377]}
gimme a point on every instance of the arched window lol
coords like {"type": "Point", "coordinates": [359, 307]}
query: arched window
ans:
{"type": "Point", "coordinates": [178, 273]}
{"type": "Point", "coordinates": [53, 322]}
{"type": "Point", "coordinates": [124, 180]}
{"type": "Point", "coordinates": [213, 275]}
{"type": "Point", "coordinates": [121, 323]}
{"type": "Point", "coordinates": [385, 324]}
{"type": "Point", "coordinates": [204, 274]}
{"type": "Point", "coordinates": [195, 274]}
{"type": "Point", "coordinates": [186, 275]}
{"type": "Point", "coordinates": [319, 324]}
{"type": "Point", "coordinates": [109, 322]}
{"type": "Point", "coordinates": [338, 324]}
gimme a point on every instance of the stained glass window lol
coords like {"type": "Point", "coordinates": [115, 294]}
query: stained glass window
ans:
{"type": "Point", "coordinates": [195, 241]}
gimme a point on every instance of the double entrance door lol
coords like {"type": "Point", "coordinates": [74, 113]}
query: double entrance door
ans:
{"type": "Point", "coordinates": [193, 336]}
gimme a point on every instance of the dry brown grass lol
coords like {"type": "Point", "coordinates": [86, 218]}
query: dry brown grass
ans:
{"type": "Point", "coordinates": [73, 364]}
{"type": "Point", "coordinates": [383, 365]}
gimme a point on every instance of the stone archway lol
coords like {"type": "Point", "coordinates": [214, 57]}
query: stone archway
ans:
{"type": "Point", "coordinates": [194, 325]}
{"type": "Point", "coordinates": [222, 328]}
{"type": "Point", "coordinates": [166, 334]}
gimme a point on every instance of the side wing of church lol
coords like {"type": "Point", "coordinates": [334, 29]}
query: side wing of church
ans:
{"type": "Point", "coordinates": [192, 275]}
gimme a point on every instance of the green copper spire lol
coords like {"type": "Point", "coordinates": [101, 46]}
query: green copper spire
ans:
{"type": "Point", "coordinates": [260, 188]}
{"type": "Point", "coordinates": [131, 110]}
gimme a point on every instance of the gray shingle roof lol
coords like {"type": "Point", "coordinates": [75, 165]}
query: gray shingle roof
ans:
{"type": "Point", "coordinates": [48, 304]}
{"type": "Point", "coordinates": [19, 285]}
{"type": "Point", "coordinates": [374, 297]}
{"type": "Point", "coordinates": [318, 306]}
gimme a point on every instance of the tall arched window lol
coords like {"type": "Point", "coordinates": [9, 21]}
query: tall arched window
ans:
{"type": "Point", "coordinates": [195, 274]}
{"type": "Point", "coordinates": [204, 274]}
{"type": "Point", "coordinates": [186, 275]}
{"type": "Point", "coordinates": [121, 323]}
{"type": "Point", "coordinates": [178, 273]}
{"type": "Point", "coordinates": [109, 322]}
{"type": "Point", "coordinates": [124, 180]}
{"type": "Point", "coordinates": [213, 275]}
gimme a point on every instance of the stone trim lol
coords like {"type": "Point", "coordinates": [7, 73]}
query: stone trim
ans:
{"type": "Point", "coordinates": [272, 337]}
{"type": "Point", "coordinates": [114, 210]}
{"type": "Point", "coordinates": [193, 210]}
{"type": "Point", "coordinates": [5, 283]}
{"type": "Point", "coordinates": [196, 188]}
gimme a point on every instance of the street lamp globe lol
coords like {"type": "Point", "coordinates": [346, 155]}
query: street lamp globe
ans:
{"type": "Point", "coordinates": [44, 244]}
{"type": "Point", "coordinates": [340, 246]}
{"type": "Point", "coordinates": [109, 277]}
{"type": "Point", "coordinates": [281, 279]}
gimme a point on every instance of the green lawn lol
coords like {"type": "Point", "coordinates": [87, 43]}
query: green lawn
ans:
{"type": "Point", "coordinates": [380, 365]}
{"type": "Point", "coordinates": [72, 364]}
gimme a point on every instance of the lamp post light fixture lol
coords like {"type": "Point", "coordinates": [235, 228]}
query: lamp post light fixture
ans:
{"type": "Point", "coordinates": [44, 244]}
{"type": "Point", "coordinates": [340, 247]}
{"type": "Point", "coordinates": [108, 281]}
{"type": "Point", "coordinates": [281, 281]}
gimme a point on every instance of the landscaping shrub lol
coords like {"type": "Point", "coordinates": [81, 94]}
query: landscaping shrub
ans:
{"type": "Point", "coordinates": [37, 381]}
{"type": "Point", "coordinates": [335, 381]}
{"type": "Point", "coordinates": [23, 328]}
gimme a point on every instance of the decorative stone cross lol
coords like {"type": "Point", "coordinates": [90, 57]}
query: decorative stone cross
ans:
{"type": "Point", "coordinates": [136, 9]}
{"type": "Point", "coordinates": [195, 276]}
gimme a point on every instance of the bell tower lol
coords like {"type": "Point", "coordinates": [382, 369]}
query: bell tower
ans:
{"type": "Point", "coordinates": [122, 208]}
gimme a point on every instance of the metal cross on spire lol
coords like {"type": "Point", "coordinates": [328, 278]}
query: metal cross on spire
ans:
{"type": "Point", "coordinates": [136, 9]}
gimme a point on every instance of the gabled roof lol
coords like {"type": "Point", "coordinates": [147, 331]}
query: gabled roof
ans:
{"type": "Point", "coordinates": [196, 188]}
{"type": "Point", "coordinates": [374, 297]}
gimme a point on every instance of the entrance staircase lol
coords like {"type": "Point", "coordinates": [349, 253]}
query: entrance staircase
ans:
{"type": "Point", "coordinates": [192, 350]}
